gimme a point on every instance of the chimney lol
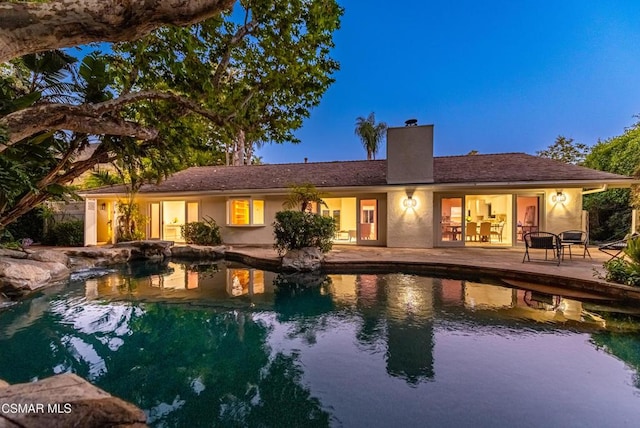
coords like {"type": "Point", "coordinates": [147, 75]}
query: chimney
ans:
{"type": "Point", "coordinates": [410, 154]}
{"type": "Point", "coordinates": [305, 160]}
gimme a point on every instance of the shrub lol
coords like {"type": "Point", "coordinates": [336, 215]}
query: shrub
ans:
{"type": "Point", "coordinates": [295, 229]}
{"type": "Point", "coordinates": [205, 232]}
{"type": "Point", "coordinates": [29, 225]}
{"type": "Point", "coordinates": [66, 233]}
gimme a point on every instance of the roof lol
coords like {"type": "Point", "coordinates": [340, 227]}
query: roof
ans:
{"type": "Point", "coordinates": [468, 169]}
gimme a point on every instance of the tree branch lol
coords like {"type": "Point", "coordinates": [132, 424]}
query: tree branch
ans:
{"type": "Point", "coordinates": [35, 27]}
{"type": "Point", "coordinates": [83, 118]}
{"type": "Point", "coordinates": [96, 119]}
{"type": "Point", "coordinates": [246, 29]}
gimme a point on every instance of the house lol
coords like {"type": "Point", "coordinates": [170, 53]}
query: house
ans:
{"type": "Point", "coordinates": [411, 199]}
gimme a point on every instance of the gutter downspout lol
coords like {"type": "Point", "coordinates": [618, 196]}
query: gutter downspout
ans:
{"type": "Point", "coordinates": [601, 189]}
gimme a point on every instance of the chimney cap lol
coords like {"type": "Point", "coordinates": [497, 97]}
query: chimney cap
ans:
{"type": "Point", "coordinates": [411, 122]}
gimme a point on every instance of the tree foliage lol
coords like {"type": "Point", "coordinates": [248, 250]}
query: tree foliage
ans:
{"type": "Point", "coordinates": [610, 212]}
{"type": "Point", "coordinates": [177, 97]}
{"type": "Point", "coordinates": [371, 134]}
{"type": "Point", "coordinates": [566, 150]}
{"type": "Point", "coordinates": [302, 196]}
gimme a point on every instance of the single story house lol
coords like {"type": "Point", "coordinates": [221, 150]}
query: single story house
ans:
{"type": "Point", "coordinates": [411, 199]}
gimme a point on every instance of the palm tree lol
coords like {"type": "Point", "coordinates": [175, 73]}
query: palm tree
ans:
{"type": "Point", "coordinates": [370, 133]}
{"type": "Point", "coordinates": [302, 196]}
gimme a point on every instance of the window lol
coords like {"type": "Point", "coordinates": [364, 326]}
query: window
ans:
{"type": "Point", "coordinates": [368, 215]}
{"type": "Point", "coordinates": [245, 212]}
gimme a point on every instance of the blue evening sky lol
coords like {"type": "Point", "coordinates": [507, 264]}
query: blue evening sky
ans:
{"type": "Point", "coordinates": [491, 75]}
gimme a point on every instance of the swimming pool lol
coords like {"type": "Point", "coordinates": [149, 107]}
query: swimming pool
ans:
{"type": "Point", "coordinates": [228, 345]}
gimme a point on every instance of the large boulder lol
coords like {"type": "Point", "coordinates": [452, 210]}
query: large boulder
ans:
{"type": "Point", "coordinates": [14, 254]}
{"type": "Point", "coordinates": [87, 258]}
{"type": "Point", "coordinates": [306, 259]}
{"type": "Point", "coordinates": [147, 250]}
{"type": "Point", "coordinates": [66, 400]}
{"type": "Point", "coordinates": [20, 276]}
{"type": "Point", "coordinates": [50, 256]}
{"type": "Point", "coordinates": [198, 252]}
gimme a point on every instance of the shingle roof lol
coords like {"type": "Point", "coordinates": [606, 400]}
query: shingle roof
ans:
{"type": "Point", "coordinates": [490, 168]}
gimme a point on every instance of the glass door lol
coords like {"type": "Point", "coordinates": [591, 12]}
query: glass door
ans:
{"type": "Point", "coordinates": [154, 220]}
{"type": "Point", "coordinates": [527, 215]}
{"type": "Point", "coordinates": [369, 219]}
{"type": "Point", "coordinates": [451, 221]}
{"type": "Point", "coordinates": [173, 217]}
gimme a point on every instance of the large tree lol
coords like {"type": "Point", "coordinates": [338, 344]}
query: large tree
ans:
{"type": "Point", "coordinates": [610, 212]}
{"type": "Point", "coordinates": [566, 150]}
{"type": "Point", "coordinates": [181, 91]}
{"type": "Point", "coordinates": [371, 134]}
{"type": "Point", "coordinates": [37, 26]}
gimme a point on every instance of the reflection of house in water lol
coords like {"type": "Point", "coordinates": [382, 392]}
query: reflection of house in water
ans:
{"type": "Point", "coordinates": [406, 303]}
{"type": "Point", "coordinates": [410, 339]}
{"type": "Point", "coordinates": [516, 303]}
{"type": "Point", "coordinates": [244, 281]}
{"type": "Point", "coordinates": [182, 281]}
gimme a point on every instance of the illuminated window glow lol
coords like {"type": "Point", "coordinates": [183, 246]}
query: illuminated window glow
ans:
{"type": "Point", "coordinates": [246, 212]}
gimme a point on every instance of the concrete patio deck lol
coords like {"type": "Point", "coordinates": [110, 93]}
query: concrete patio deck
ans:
{"type": "Point", "coordinates": [575, 277]}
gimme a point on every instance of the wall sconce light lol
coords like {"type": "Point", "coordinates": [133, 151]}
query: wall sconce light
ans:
{"type": "Point", "coordinates": [409, 202]}
{"type": "Point", "coordinates": [103, 207]}
{"type": "Point", "coordinates": [559, 197]}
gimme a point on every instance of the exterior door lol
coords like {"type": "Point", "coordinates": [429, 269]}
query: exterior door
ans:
{"type": "Point", "coordinates": [154, 220]}
{"type": "Point", "coordinates": [368, 220]}
{"type": "Point", "coordinates": [90, 220]}
{"type": "Point", "coordinates": [371, 220]}
{"type": "Point", "coordinates": [527, 215]}
{"type": "Point", "coordinates": [452, 221]}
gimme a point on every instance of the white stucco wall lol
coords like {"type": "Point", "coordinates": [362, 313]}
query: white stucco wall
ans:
{"type": "Point", "coordinates": [216, 207]}
{"type": "Point", "coordinates": [410, 227]}
{"type": "Point", "coordinates": [565, 215]}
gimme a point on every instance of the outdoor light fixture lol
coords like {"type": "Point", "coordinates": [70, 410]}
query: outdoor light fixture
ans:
{"type": "Point", "coordinates": [409, 202]}
{"type": "Point", "coordinates": [103, 206]}
{"type": "Point", "coordinates": [559, 197]}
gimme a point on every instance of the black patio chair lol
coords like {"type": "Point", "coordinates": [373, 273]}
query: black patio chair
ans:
{"type": "Point", "coordinates": [569, 238]}
{"type": "Point", "coordinates": [543, 241]}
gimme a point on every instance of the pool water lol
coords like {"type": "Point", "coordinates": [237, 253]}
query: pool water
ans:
{"type": "Point", "coordinates": [227, 345]}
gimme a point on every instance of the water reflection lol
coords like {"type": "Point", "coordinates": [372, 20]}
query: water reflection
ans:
{"type": "Point", "coordinates": [396, 311]}
{"type": "Point", "coordinates": [221, 282]}
{"type": "Point", "coordinates": [225, 344]}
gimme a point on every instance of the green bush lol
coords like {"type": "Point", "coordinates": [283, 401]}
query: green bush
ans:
{"type": "Point", "coordinates": [295, 229]}
{"type": "Point", "coordinates": [66, 233]}
{"type": "Point", "coordinates": [205, 232]}
{"type": "Point", "coordinates": [29, 225]}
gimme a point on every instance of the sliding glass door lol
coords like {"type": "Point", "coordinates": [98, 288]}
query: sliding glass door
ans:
{"type": "Point", "coordinates": [166, 219]}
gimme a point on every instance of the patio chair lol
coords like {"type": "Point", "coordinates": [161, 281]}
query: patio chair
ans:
{"type": "Point", "coordinates": [543, 241]}
{"type": "Point", "coordinates": [615, 249]}
{"type": "Point", "coordinates": [569, 238]}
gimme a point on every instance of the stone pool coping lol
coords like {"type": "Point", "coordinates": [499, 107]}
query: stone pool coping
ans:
{"type": "Point", "coordinates": [576, 277]}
